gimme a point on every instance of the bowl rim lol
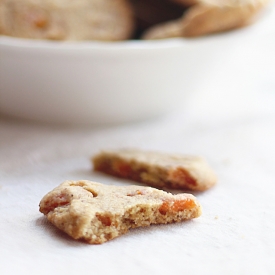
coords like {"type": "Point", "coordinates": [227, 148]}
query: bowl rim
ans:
{"type": "Point", "coordinates": [26, 43]}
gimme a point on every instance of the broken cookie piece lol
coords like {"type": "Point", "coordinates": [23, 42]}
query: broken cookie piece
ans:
{"type": "Point", "coordinates": [157, 169]}
{"type": "Point", "coordinates": [207, 17]}
{"type": "Point", "coordinates": [97, 213]}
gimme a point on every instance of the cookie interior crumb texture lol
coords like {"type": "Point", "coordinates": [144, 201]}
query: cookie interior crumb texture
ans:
{"type": "Point", "coordinates": [96, 213]}
{"type": "Point", "coordinates": [157, 169]}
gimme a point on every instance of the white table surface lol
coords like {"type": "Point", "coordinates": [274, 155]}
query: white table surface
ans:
{"type": "Point", "coordinates": [229, 119]}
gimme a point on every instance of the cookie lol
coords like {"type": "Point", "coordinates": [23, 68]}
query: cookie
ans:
{"type": "Point", "coordinates": [161, 170]}
{"type": "Point", "coordinates": [97, 213]}
{"type": "Point", "coordinates": [207, 17]}
{"type": "Point", "coordinates": [67, 20]}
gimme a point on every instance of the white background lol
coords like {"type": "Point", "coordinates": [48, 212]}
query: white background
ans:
{"type": "Point", "coordinates": [229, 119]}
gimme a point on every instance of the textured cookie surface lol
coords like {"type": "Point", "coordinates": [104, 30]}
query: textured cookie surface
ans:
{"type": "Point", "coordinates": [157, 169]}
{"type": "Point", "coordinates": [67, 20]}
{"type": "Point", "coordinates": [97, 213]}
{"type": "Point", "coordinates": [209, 16]}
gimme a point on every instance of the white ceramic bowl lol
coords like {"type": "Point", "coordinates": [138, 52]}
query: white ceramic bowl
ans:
{"type": "Point", "coordinates": [90, 82]}
{"type": "Point", "coordinates": [87, 83]}
{"type": "Point", "coordinates": [93, 83]}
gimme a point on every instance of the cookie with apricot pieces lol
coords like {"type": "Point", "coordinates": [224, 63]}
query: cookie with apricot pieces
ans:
{"type": "Point", "coordinates": [97, 213]}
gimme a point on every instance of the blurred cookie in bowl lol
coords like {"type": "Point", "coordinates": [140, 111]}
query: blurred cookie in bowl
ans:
{"type": "Point", "coordinates": [207, 17]}
{"type": "Point", "coordinates": [105, 20]}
